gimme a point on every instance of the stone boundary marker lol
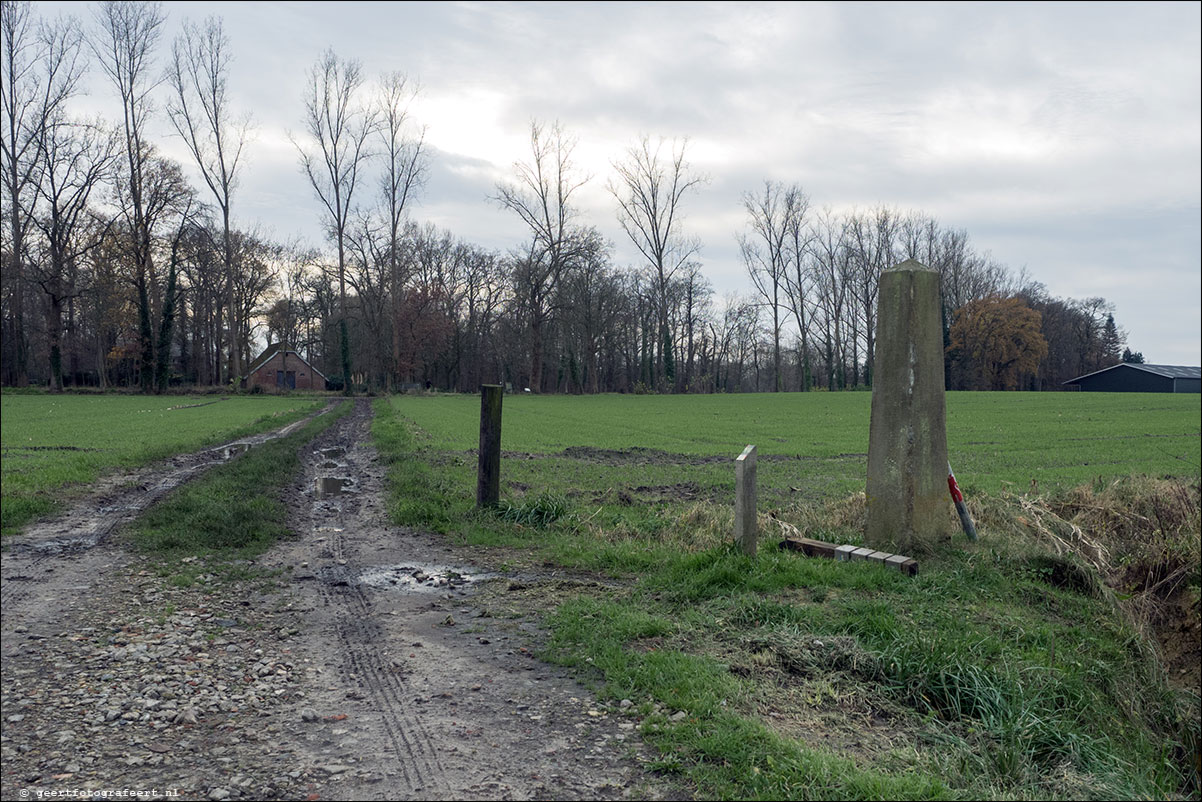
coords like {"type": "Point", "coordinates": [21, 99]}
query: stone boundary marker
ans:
{"type": "Point", "coordinates": [846, 553]}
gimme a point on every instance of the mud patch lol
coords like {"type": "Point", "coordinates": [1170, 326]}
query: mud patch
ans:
{"type": "Point", "coordinates": [47, 448]}
{"type": "Point", "coordinates": [234, 450]}
{"type": "Point", "coordinates": [443, 698]}
{"type": "Point", "coordinates": [334, 485]}
{"type": "Point", "coordinates": [421, 578]}
{"type": "Point", "coordinates": [639, 456]}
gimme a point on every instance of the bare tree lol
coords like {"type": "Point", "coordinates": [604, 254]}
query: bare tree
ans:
{"type": "Point", "coordinates": [872, 243]}
{"type": "Point", "coordinates": [404, 173]}
{"type": "Point", "coordinates": [799, 282]}
{"type": "Point", "coordinates": [542, 198]}
{"type": "Point", "coordinates": [41, 65]}
{"type": "Point", "coordinates": [338, 128]}
{"type": "Point", "coordinates": [200, 112]}
{"type": "Point", "coordinates": [129, 32]}
{"type": "Point", "coordinates": [650, 189]}
{"type": "Point", "coordinates": [75, 158]}
{"type": "Point", "coordinates": [828, 266]}
{"type": "Point", "coordinates": [777, 221]}
{"type": "Point", "coordinates": [695, 292]}
{"type": "Point", "coordinates": [20, 54]}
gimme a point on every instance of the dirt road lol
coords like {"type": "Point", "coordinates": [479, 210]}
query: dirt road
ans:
{"type": "Point", "coordinates": [370, 668]}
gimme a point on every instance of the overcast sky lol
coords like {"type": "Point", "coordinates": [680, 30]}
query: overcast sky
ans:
{"type": "Point", "coordinates": [1064, 138]}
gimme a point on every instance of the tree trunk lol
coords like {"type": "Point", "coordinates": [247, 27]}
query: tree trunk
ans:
{"type": "Point", "coordinates": [54, 333]}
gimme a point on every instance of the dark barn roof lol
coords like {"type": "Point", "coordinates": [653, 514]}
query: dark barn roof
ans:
{"type": "Point", "coordinates": [1171, 372]}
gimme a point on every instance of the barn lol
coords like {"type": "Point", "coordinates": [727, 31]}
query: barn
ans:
{"type": "Point", "coordinates": [281, 368]}
{"type": "Point", "coordinates": [1131, 378]}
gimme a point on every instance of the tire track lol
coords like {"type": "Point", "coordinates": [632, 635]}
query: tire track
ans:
{"type": "Point", "coordinates": [355, 627]}
{"type": "Point", "coordinates": [116, 500]}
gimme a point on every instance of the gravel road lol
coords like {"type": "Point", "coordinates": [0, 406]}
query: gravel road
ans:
{"type": "Point", "coordinates": [357, 661]}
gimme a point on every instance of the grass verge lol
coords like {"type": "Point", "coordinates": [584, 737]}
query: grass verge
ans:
{"type": "Point", "coordinates": [1012, 668]}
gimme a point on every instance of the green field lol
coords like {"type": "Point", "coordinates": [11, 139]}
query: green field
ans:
{"type": "Point", "coordinates": [51, 443]}
{"type": "Point", "coordinates": [1015, 667]}
{"type": "Point", "coordinates": [811, 445]}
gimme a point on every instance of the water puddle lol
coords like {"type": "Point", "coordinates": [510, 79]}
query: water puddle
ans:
{"type": "Point", "coordinates": [334, 485]}
{"type": "Point", "coordinates": [330, 464]}
{"type": "Point", "coordinates": [421, 578]}
{"type": "Point", "coordinates": [63, 545]}
{"type": "Point", "coordinates": [332, 453]}
{"type": "Point", "coordinates": [234, 450]}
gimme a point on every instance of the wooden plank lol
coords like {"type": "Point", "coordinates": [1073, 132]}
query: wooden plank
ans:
{"type": "Point", "coordinates": [810, 547]}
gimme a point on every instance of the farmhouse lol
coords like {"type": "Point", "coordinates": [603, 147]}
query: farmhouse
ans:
{"type": "Point", "coordinates": [281, 368]}
{"type": "Point", "coordinates": [1131, 378]}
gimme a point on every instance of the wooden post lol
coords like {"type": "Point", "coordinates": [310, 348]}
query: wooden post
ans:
{"type": "Point", "coordinates": [745, 523]}
{"type": "Point", "coordinates": [488, 474]}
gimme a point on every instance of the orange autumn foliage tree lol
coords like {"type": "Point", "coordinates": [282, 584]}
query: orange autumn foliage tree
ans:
{"type": "Point", "coordinates": [996, 344]}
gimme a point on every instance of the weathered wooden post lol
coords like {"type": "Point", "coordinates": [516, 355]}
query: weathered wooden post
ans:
{"type": "Point", "coordinates": [745, 523]}
{"type": "Point", "coordinates": [488, 472]}
{"type": "Point", "coordinates": [907, 438]}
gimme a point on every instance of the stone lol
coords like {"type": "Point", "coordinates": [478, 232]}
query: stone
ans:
{"type": "Point", "coordinates": [907, 441]}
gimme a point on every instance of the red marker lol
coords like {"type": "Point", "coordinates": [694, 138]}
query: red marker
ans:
{"type": "Point", "coordinates": [961, 509]}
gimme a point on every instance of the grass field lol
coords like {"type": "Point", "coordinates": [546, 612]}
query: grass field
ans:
{"type": "Point", "coordinates": [811, 445]}
{"type": "Point", "coordinates": [53, 442]}
{"type": "Point", "coordinates": [1006, 670]}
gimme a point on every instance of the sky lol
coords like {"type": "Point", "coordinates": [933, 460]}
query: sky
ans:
{"type": "Point", "coordinates": [1064, 138]}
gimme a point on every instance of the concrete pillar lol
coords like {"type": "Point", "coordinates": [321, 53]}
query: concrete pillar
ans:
{"type": "Point", "coordinates": [488, 471]}
{"type": "Point", "coordinates": [745, 491]}
{"type": "Point", "coordinates": [907, 440]}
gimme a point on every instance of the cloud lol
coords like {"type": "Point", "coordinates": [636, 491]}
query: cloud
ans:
{"type": "Point", "coordinates": [1064, 137]}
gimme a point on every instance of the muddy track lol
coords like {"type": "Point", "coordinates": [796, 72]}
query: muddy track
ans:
{"type": "Point", "coordinates": [416, 691]}
{"type": "Point", "coordinates": [345, 600]}
{"type": "Point", "coordinates": [371, 666]}
{"type": "Point", "coordinates": [61, 556]}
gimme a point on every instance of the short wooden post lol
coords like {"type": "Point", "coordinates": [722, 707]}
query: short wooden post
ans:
{"type": "Point", "coordinates": [488, 474]}
{"type": "Point", "coordinates": [745, 523]}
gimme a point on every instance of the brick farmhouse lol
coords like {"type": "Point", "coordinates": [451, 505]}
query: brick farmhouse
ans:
{"type": "Point", "coordinates": [280, 368]}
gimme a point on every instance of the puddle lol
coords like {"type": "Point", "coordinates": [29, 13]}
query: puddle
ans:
{"type": "Point", "coordinates": [421, 577]}
{"type": "Point", "coordinates": [231, 451]}
{"type": "Point", "coordinates": [65, 545]}
{"type": "Point", "coordinates": [334, 485]}
{"type": "Point", "coordinates": [332, 453]}
{"type": "Point", "coordinates": [330, 465]}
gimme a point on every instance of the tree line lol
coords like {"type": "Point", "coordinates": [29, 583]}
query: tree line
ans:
{"type": "Point", "coordinates": [119, 271]}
